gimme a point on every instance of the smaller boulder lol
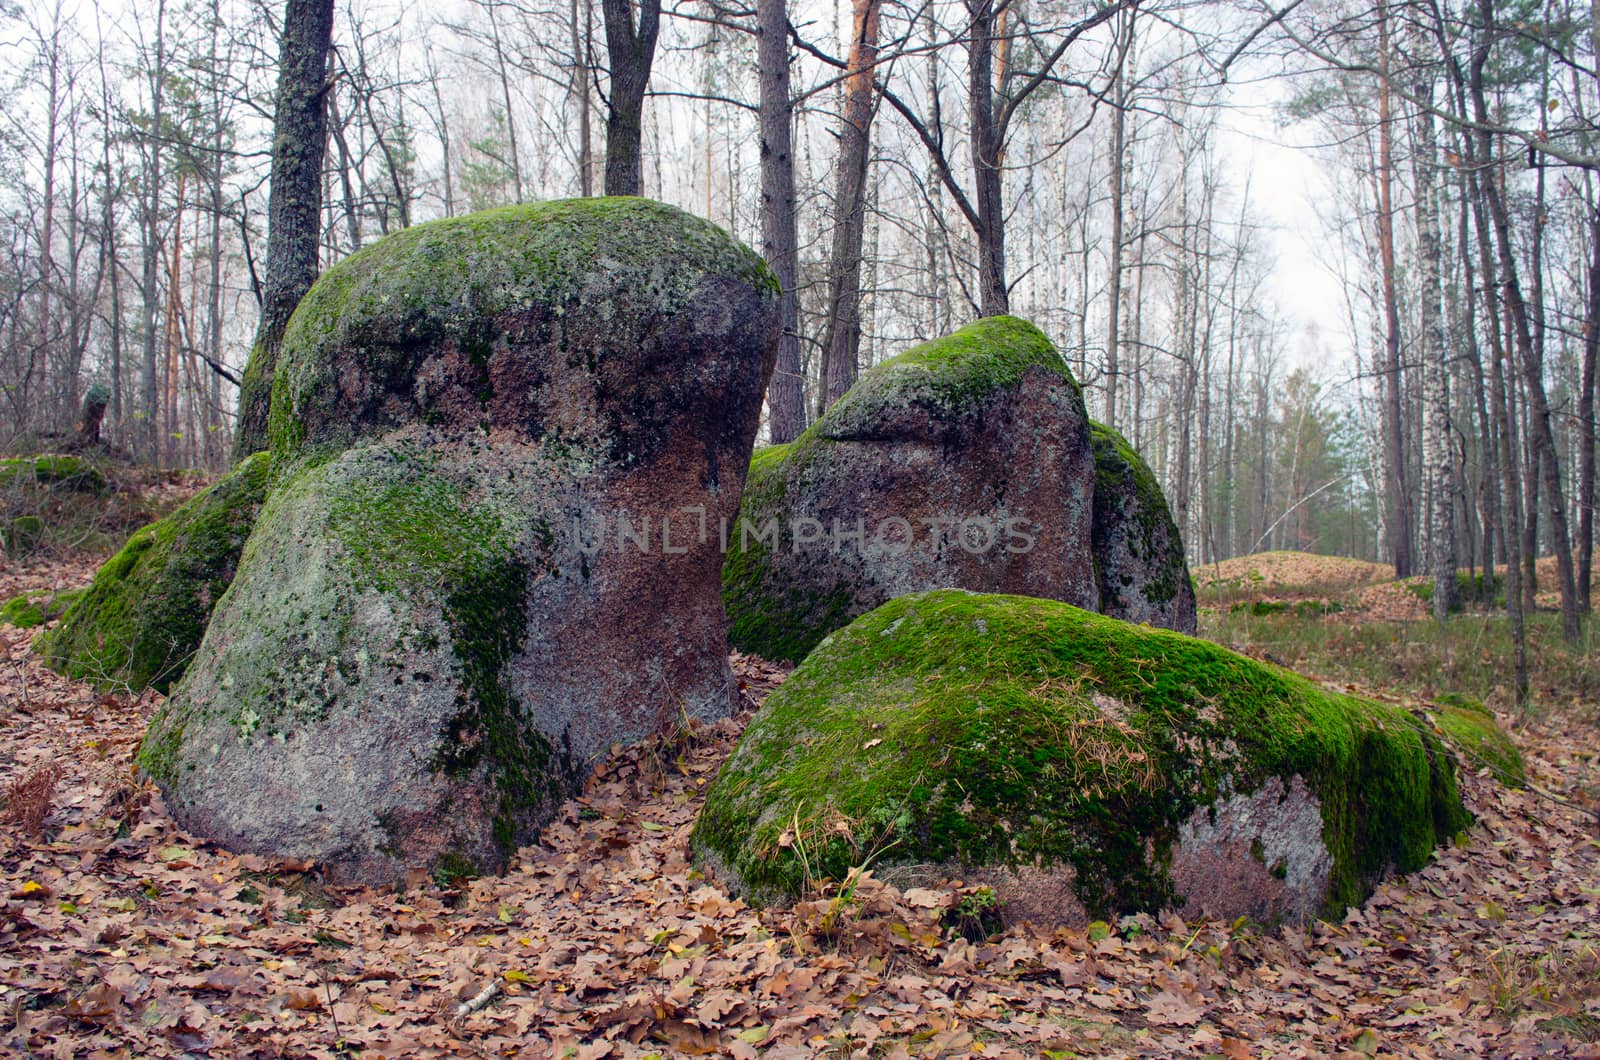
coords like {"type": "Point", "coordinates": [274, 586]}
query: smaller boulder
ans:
{"type": "Point", "coordinates": [1081, 766]}
{"type": "Point", "coordinates": [961, 462]}
{"type": "Point", "coordinates": [56, 472]}
{"type": "Point", "coordinates": [144, 614]}
{"type": "Point", "coordinates": [1139, 566]}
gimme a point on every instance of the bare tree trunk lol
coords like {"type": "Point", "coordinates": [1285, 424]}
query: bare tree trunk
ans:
{"type": "Point", "coordinates": [52, 405]}
{"type": "Point", "coordinates": [1117, 163]}
{"type": "Point", "coordinates": [786, 414]}
{"type": "Point", "coordinates": [1586, 424]}
{"type": "Point", "coordinates": [987, 176]}
{"type": "Point", "coordinates": [1436, 401]}
{"type": "Point", "coordinates": [505, 96]}
{"type": "Point", "coordinates": [1541, 436]}
{"type": "Point", "coordinates": [581, 88]}
{"type": "Point", "coordinates": [294, 204]}
{"type": "Point", "coordinates": [1393, 429]}
{"type": "Point", "coordinates": [151, 251]}
{"type": "Point", "coordinates": [841, 345]}
{"type": "Point", "coordinates": [632, 48]}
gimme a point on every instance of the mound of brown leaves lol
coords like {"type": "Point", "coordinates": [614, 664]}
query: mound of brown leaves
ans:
{"type": "Point", "coordinates": [122, 936]}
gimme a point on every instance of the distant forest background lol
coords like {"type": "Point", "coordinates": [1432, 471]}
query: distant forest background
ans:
{"type": "Point", "coordinates": [1064, 161]}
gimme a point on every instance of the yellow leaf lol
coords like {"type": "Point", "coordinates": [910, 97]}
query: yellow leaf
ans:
{"type": "Point", "coordinates": [651, 826]}
{"type": "Point", "coordinates": [516, 975]}
{"type": "Point", "coordinates": [32, 887]}
{"type": "Point", "coordinates": [753, 1035]}
{"type": "Point", "coordinates": [505, 914]}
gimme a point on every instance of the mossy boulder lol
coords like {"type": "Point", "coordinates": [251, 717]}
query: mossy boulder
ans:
{"type": "Point", "coordinates": [142, 617]}
{"type": "Point", "coordinates": [964, 462]}
{"type": "Point", "coordinates": [1470, 728]}
{"type": "Point", "coordinates": [28, 610]}
{"type": "Point", "coordinates": [1080, 765]}
{"type": "Point", "coordinates": [59, 472]}
{"type": "Point", "coordinates": [1139, 566]}
{"type": "Point", "coordinates": [501, 445]}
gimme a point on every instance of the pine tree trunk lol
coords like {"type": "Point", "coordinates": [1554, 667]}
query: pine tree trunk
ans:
{"type": "Point", "coordinates": [779, 241]}
{"type": "Point", "coordinates": [294, 204]}
{"type": "Point", "coordinates": [632, 49]}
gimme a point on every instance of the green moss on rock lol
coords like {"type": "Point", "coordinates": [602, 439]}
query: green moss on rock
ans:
{"type": "Point", "coordinates": [950, 375]}
{"type": "Point", "coordinates": [56, 472]}
{"type": "Point", "coordinates": [27, 610]}
{"type": "Point", "coordinates": [463, 283]}
{"type": "Point", "coordinates": [1140, 569]}
{"type": "Point", "coordinates": [1469, 727]}
{"type": "Point", "coordinates": [986, 423]}
{"type": "Point", "coordinates": [146, 611]}
{"type": "Point", "coordinates": [947, 728]}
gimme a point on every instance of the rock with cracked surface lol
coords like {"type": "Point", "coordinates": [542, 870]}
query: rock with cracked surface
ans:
{"type": "Point", "coordinates": [482, 560]}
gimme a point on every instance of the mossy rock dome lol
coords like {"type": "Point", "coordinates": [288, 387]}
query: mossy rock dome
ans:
{"type": "Point", "coordinates": [1081, 765]}
{"type": "Point", "coordinates": [143, 616]}
{"type": "Point", "coordinates": [964, 461]}
{"type": "Point", "coordinates": [498, 443]}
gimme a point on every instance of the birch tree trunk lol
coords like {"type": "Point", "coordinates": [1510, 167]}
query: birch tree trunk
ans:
{"type": "Point", "coordinates": [1437, 461]}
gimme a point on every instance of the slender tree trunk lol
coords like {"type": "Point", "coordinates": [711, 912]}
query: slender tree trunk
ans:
{"type": "Point", "coordinates": [582, 89]}
{"type": "Point", "coordinates": [151, 251]}
{"type": "Point", "coordinates": [294, 204]}
{"type": "Point", "coordinates": [632, 48]}
{"type": "Point", "coordinates": [1117, 163]}
{"type": "Point", "coordinates": [52, 406]}
{"type": "Point", "coordinates": [786, 414]}
{"type": "Point", "coordinates": [1541, 436]}
{"type": "Point", "coordinates": [1436, 401]}
{"type": "Point", "coordinates": [1393, 397]}
{"type": "Point", "coordinates": [987, 175]}
{"type": "Point", "coordinates": [1586, 423]}
{"type": "Point", "coordinates": [842, 334]}
{"type": "Point", "coordinates": [505, 97]}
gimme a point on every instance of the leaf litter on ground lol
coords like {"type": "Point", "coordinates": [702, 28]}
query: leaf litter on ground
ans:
{"type": "Point", "coordinates": [120, 935]}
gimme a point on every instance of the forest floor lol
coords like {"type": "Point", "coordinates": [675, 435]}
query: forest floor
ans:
{"type": "Point", "coordinates": [120, 935]}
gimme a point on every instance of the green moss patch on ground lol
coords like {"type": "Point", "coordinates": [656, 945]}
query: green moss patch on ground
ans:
{"type": "Point", "coordinates": [148, 606]}
{"type": "Point", "coordinates": [949, 727]}
{"type": "Point", "coordinates": [27, 610]}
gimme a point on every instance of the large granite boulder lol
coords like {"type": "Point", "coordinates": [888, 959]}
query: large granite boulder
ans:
{"type": "Point", "coordinates": [498, 444]}
{"type": "Point", "coordinates": [1139, 567]}
{"type": "Point", "coordinates": [1079, 765]}
{"type": "Point", "coordinates": [141, 620]}
{"type": "Point", "coordinates": [962, 462]}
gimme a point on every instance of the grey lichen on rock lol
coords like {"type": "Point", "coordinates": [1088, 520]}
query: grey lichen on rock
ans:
{"type": "Point", "coordinates": [1138, 552]}
{"type": "Point", "coordinates": [1081, 765]}
{"type": "Point", "coordinates": [144, 614]}
{"type": "Point", "coordinates": [423, 651]}
{"type": "Point", "coordinates": [964, 461]}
